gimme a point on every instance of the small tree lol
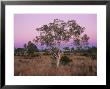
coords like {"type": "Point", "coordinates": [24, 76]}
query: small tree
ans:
{"type": "Point", "coordinates": [72, 49]}
{"type": "Point", "coordinates": [84, 40]}
{"type": "Point", "coordinates": [30, 48]}
{"type": "Point", "coordinates": [57, 32]}
{"type": "Point", "coordinates": [25, 49]}
{"type": "Point", "coordinates": [65, 60]}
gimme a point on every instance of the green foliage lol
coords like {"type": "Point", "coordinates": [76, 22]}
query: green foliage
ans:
{"type": "Point", "coordinates": [65, 60]}
{"type": "Point", "coordinates": [31, 47]}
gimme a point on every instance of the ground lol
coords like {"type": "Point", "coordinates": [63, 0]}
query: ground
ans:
{"type": "Point", "coordinates": [42, 66]}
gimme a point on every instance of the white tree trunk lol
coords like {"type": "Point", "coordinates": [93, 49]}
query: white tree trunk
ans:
{"type": "Point", "coordinates": [58, 59]}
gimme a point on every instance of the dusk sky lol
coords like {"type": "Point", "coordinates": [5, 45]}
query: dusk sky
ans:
{"type": "Point", "coordinates": [25, 25]}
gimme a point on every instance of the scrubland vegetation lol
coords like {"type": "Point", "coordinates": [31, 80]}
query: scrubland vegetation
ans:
{"type": "Point", "coordinates": [80, 60]}
{"type": "Point", "coordinates": [71, 64]}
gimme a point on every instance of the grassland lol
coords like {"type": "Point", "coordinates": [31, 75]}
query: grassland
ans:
{"type": "Point", "coordinates": [42, 66]}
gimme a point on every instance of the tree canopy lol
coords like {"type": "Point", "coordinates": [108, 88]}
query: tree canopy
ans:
{"type": "Point", "coordinates": [58, 31]}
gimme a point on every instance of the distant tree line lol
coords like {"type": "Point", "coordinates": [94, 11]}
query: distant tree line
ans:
{"type": "Point", "coordinates": [29, 49]}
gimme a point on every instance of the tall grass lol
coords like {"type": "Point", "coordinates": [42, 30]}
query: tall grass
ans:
{"type": "Point", "coordinates": [43, 66]}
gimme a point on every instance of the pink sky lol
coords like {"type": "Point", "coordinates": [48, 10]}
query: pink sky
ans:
{"type": "Point", "coordinates": [25, 25]}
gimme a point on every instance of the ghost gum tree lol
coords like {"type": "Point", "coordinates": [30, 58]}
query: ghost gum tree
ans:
{"type": "Point", "coordinates": [52, 35]}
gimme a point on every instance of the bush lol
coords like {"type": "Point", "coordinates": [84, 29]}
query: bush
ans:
{"type": "Point", "coordinates": [85, 54]}
{"type": "Point", "coordinates": [46, 53]}
{"type": "Point", "coordinates": [65, 60]}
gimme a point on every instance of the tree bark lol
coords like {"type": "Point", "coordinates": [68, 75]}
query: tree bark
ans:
{"type": "Point", "coordinates": [58, 59]}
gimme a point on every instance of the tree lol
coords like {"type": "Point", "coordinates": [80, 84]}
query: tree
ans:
{"type": "Point", "coordinates": [25, 46]}
{"type": "Point", "coordinates": [30, 48]}
{"type": "Point", "coordinates": [57, 32]}
{"type": "Point", "coordinates": [77, 43]}
{"type": "Point", "coordinates": [85, 39]}
{"type": "Point", "coordinates": [72, 49]}
{"type": "Point", "coordinates": [25, 49]}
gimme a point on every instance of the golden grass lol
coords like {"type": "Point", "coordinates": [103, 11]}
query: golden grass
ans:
{"type": "Point", "coordinates": [80, 66]}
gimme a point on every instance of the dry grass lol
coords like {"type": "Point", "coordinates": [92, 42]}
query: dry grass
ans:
{"type": "Point", "coordinates": [80, 66]}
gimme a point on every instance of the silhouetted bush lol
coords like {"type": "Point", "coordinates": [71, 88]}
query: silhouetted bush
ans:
{"type": "Point", "coordinates": [65, 60]}
{"type": "Point", "coordinates": [85, 54]}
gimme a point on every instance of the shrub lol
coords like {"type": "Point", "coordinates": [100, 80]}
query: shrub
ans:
{"type": "Point", "coordinates": [85, 54]}
{"type": "Point", "coordinates": [65, 60]}
{"type": "Point", "coordinates": [46, 53]}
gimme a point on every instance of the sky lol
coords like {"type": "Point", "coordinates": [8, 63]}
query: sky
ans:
{"type": "Point", "coordinates": [25, 25]}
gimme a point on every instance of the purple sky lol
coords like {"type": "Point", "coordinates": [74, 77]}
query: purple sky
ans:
{"type": "Point", "coordinates": [25, 25]}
